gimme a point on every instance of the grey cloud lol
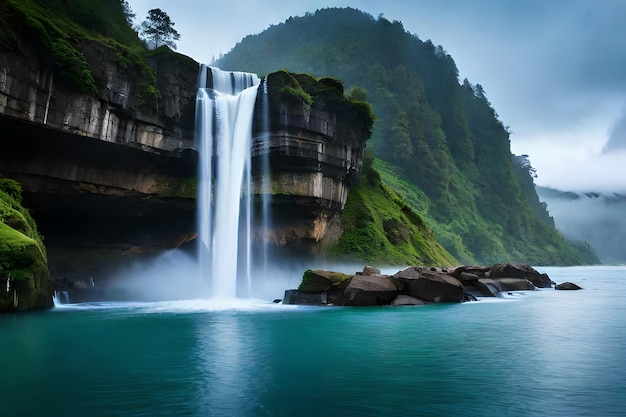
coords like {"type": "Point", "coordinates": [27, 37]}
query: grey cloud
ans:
{"type": "Point", "coordinates": [617, 139]}
{"type": "Point", "coordinates": [596, 219]}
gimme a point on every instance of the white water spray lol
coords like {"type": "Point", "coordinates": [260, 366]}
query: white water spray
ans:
{"type": "Point", "coordinates": [224, 116]}
{"type": "Point", "coordinates": [261, 148]}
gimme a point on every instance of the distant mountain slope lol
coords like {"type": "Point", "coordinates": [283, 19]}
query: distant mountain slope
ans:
{"type": "Point", "coordinates": [442, 136]}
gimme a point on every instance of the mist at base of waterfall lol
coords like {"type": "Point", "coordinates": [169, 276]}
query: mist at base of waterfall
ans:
{"type": "Point", "coordinates": [173, 276]}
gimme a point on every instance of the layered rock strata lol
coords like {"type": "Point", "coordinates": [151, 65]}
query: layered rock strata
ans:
{"type": "Point", "coordinates": [112, 175]}
{"type": "Point", "coordinates": [315, 149]}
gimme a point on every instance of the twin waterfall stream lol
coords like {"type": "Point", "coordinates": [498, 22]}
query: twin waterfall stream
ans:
{"type": "Point", "coordinates": [225, 108]}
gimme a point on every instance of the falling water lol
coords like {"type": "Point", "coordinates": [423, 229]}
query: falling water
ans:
{"type": "Point", "coordinates": [224, 117]}
{"type": "Point", "coordinates": [61, 297]}
{"type": "Point", "coordinates": [262, 145]}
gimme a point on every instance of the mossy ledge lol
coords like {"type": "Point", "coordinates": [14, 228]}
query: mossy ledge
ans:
{"type": "Point", "coordinates": [26, 282]}
{"type": "Point", "coordinates": [355, 119]}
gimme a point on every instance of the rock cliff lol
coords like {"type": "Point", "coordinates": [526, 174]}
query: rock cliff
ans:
{"type": "Point", "coordinates": [120, 112]}
{"type": "Point", "coordinates": [104, 174]}
{"type": "Point", "coordinates": [315, 144]}
{"type": "Point", "coordinates": [112, 175]}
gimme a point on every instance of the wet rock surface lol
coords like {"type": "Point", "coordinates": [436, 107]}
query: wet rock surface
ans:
{"type": "Point", "coordinates": [418, 285]}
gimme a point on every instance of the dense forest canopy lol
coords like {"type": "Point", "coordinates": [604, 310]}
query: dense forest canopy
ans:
{"type": "Point", "coordinates": [439, 135]}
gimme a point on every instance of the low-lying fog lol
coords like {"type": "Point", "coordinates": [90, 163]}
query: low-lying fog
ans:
{"type": "Point", "coordinates": [593, 217]}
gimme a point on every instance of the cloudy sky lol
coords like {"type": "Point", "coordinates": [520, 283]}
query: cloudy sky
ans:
{"type": "Point", "coordinates": [554, 71]}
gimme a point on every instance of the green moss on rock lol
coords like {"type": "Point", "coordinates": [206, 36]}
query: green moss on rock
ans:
{"type": "Point", "coordinates": [65, 34]}
{"type": "Point", "coordinates": [325, 94]}
{"type": "Point", "coordinates": [317, 280]}
{"type": "Point", "coordinates": [23, 261]}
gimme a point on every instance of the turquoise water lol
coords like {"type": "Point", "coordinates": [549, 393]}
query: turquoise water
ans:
{"type": "Point", "coordinates": [542, 353]}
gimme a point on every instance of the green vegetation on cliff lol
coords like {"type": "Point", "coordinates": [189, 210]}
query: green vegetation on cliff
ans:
{"type": "Point", "coordinates": [449, 151]}
{"type": "Point", "coordinates": [379, 227]}
{"type": "Point", "coordinates": [326, 94]}
{"type": "Point", "coordinates": [63, 29]}
{"type": "Point", "coordinates": [23, 261]}
{"type": "Point", "coordinates": [559, 252]}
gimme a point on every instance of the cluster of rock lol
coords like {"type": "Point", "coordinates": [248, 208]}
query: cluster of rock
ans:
{"type": "Point", "coordinates": [416, 285]}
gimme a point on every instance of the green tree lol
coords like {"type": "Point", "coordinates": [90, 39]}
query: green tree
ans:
{"type": "Point", "coordinates": [399, 138]}
{"type": "Point", "coordinates": [128, 13]}
{"type": "Point", "coordinates": [158, 29]}
{"type": "Point", "coordinates": [357, 93]}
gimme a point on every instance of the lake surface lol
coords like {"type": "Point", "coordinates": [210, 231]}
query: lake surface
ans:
{"type": "Point", "coordinates": [541, 353]}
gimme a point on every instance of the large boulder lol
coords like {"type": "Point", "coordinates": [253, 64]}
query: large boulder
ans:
{"type": "Point", "coordinates": [369, 290]}
{"type": "Point", "coordinates": [305, 298]}
{"type": "Point", "coordinates": [429, 285]}
{"type": "Point", "coordinates": [467, 278]}
{"type": "Point", "coordinates": [407, 300]}
{"type": "Point", "coordinates": [521, 271]}
{"type": "Point", "coordinates": [480, 271]}
{"type": "Point", "coordinates": [404, 279]}
{"type": "Point", "coordinates": [318, 280]}
{"type": "Point", "coordinates": [567, 286]}
{"type": "Point", "coordinates": [516, 284]}
{"type": "Point", "coordinates": [489, 287]}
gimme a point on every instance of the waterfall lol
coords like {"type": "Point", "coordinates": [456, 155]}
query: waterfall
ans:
{"type": "Point", "coordinates": [61, 297]}
{"type": "Point", "coordinates": [263, 149]}
{"type": "Point", "coordinates": [224, 117]}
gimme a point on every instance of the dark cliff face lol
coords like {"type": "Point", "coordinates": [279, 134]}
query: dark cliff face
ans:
{"type": "Point", "coordinates": [112, 176]}
{"type": "Point", "coordinates": [120, 112]}
{"type": "Point", "coordinates": [315, 143]}
{"type": "Point", "coordinates": [105, 175]}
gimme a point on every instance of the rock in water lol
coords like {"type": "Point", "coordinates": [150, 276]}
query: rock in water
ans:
{"type": "Point", "coordinates": [369, 290]}
{"type": "Point", "coordinates": [516, 284]}
{"type": "Point", "coordinates": [434, 286]}
{"type": "Point", "coordinates": [429, 285]}
{"type": "Point", "coordinates": [567, 286]}
{"type": "Point", "coordinates": [407, 300]}
{"type": "Point", "coordinates": [315, 281]}
{"type": "Point", "coordinates": [490, 287]}
{"type": "Point", "coordinates": [304, 298]}
{"type": "Point", "coordinates": [520, 271]}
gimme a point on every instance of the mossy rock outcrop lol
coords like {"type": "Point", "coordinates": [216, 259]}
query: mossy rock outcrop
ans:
{"type": "Point", "coordinates": [415, 285]}
{"type": "Point", "coordinates": [317, 280]}
{"type": "Point", "coordinates": [26, 282]}
{"type": "Point", "coordinates": [353, 119]}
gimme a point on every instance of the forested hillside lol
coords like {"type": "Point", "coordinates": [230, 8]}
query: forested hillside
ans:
{"type": "Point", "coordinates": [446, 151]}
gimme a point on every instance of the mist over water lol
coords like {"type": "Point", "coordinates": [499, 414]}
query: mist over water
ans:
{"type": "Point", "coordinates": [173, 276]}
{"type": "Point", "coordinates": [592, 217]}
